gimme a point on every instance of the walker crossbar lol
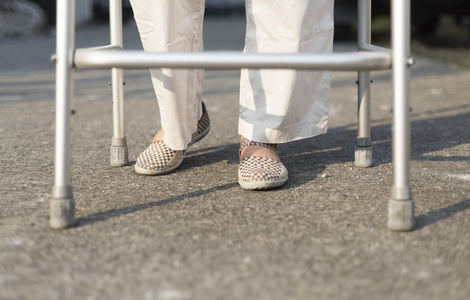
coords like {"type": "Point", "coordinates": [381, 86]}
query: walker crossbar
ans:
{"type": "Point", "coordinates": [352, 61]}
{"type": "Point", "coordinates": [368, 57]}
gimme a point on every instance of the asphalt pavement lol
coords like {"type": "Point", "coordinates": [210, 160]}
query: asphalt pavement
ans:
{"type": "Point", "coordinates": [195, 234]}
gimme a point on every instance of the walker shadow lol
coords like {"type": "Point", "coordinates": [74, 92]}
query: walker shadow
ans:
{"type": "Point", "coordinates": [113, 213]}
{"type": "Point", "coordinates": [308, 158]}
{"type": "Point", "coordinates": [441, 214]}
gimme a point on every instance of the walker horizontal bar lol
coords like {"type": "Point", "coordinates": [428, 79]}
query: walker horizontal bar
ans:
{"type": "Point", "coordinates": [99, 48]}
{"type": "Point", "coordinates": [373, 48]}
{"type": "Point", "coordinates": [343, 61]}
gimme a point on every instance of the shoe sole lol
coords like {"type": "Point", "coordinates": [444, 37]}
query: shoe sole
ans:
{"type": "Point", "coordinates": [262, 185]}
{"type": "Point", "coordinates": [143, 171]}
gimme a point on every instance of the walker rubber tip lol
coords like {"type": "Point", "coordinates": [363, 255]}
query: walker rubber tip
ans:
{"type": "Point", "coordinates": [119, 156]}
{"type": "Point", "coordinates": [62, 213]}
{"type": "Point", "coordinates": [363, 157]}
{"type": "Point", "coordinates": [401, 215]}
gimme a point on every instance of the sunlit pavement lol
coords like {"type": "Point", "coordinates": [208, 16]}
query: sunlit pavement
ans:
{"type": "Point", "coordinates": [195, 234]}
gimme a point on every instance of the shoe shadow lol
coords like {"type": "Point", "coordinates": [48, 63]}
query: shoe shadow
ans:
{"type": "Point", "coordinates": [305, 159]}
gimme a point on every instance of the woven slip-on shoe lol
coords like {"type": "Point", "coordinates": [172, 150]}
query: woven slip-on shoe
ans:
{"type": "Point", "coordinates": [160, 159]}
{"type": "Point", "coordinates": [260, 173]}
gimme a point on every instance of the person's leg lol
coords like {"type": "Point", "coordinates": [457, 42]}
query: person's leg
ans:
{"type": "Point", "coordinates": [278, 106]}
{"type": "Point", "coordinates": [176, 26]}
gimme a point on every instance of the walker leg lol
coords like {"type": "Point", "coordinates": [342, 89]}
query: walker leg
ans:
{"type": "Point", "coordinates": [118, 151]}
{"type": "Point", "coordinates": [363, 153]}
{"type": "Point", "coordinates": [62, 204]}
{"type": "Point", "coordinates": [401, 204]}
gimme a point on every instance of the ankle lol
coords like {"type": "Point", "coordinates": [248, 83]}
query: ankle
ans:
{"type": "Point", "coordinates": [258, 151]}
{"type": "Point", "coordinates": [159, 136]}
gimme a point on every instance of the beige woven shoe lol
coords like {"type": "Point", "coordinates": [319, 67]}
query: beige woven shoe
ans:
{"type": "Point", "coordinates": [160, 159]}
{"type": "Point", "coordinates": [260, 173]}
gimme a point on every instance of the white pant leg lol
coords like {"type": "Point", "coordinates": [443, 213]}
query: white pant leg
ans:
{"type": "Point", "coordinates": [174, 25]}
{"type": "Point", "coordinates": [278, 106]}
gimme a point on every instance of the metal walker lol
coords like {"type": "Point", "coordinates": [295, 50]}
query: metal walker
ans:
{"type": "Point", "coordinates": [368, 58]}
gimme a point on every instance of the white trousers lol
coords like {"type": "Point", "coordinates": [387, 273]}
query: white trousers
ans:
{"type": "Point", "coordinates": [276, 106]}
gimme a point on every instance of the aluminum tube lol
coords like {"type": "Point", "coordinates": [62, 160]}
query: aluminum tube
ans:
{"type": "Point", "coordinates": [363, 105]}
{"type": "Point", "coordinates": [363, 22]}
{"type": "Point", "coordinates": [117, 76]}
{"type": "Point", "coordinates": [64, 91]}
{"type": "Point", "coordinates": [115, 22]}
{"type": "Point", "coordinates": [364, 37]}
{"type": "Point", "coordinates": [344, 61]}
{"type": "Point", "coordinates": [117, 79]}
{"type": "Point", "coordinates": [401, 118]}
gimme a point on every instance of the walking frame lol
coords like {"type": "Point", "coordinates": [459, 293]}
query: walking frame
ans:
{"type": "Point", "coordinates": [368, 58]}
